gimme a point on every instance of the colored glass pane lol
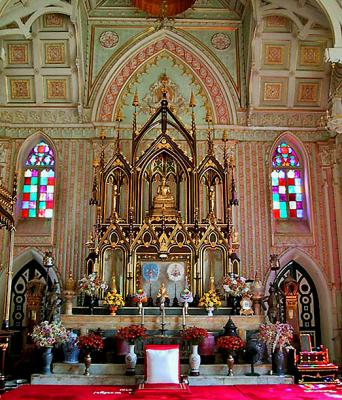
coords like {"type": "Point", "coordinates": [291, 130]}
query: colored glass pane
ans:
{"type": "Point", "coordinates": [287, 181]}
{"type": "Point", "coordinates": [283, 213]}
{"type": "Point", "coordinates": [49, 213]}
{"type": "Point", "coordinates": [39, 182]}
{"type": "Point", "coordinates": [285, 156]}
{"type": "Point", "coordinates": [41, 155]}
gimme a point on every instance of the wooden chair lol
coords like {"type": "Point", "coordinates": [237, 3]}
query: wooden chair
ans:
{"type": "Point", "coordinates": [314, 366]}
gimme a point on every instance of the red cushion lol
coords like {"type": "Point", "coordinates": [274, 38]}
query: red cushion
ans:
{"type": "Point", "coordinates": [161, 347]}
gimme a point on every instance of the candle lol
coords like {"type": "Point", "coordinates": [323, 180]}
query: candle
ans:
{"type": "Point", "coordinates": [163, 316]}
{"type": "Point", "coordinates": [142, 316]}
{"type": "Point", "coordinates": [183, 310]}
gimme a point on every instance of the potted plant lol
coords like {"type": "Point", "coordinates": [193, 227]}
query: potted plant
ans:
{"type": "Point", "coordinates": [89, 343]}
{"type": "Point", "coordinates": [90, 286]}
{"type": "Point", "coordinates": [230, 344]}
{"type": "Point", "coordinates": [194, 336]}
{"type": "Point", "coordinates": [277, 337]}
{"type": "Point", "coordinates": [210, 301]}
{"type": "Point", "coordinates": [131, 334]}
{"type": "Point", "coordinates": [46, 335]}
{"type": "Point", "coordinates": [114, 300]}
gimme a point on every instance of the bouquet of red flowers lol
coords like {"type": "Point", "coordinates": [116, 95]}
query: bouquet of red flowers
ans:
{"type": "Point", "coordinates": [131, 333]}
{"type": "Point", "coordinates": [194, 335]}
{"type": "Point", "coordinates": [230, 343]}
{"type": "Point", "coordinates": [90, 343]}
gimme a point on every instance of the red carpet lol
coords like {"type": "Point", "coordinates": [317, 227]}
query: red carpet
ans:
{"type": "Point", "coordinates": [241, 392]}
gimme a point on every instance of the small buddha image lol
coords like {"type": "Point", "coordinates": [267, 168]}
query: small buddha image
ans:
{"type": "Point", "coordinates": [163, 296]}
{"type": "Point", "coordinates": [164, 202]}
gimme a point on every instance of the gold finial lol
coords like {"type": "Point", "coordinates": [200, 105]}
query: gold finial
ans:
{"type": "Point", "coordinates": [135, 99]}
{"type": "Point", "coordinates": [103, 134]}
{"type": "Point", "coordinates": [192, 102]}
{"type": "Point", "coordinates": [70, 283]}
{"type": "Point", "coordinates": [208, 117]}
{"type": "Point", "coordinates": [225, 135]}
{"type": "Point", "coordinates": [119, 117]}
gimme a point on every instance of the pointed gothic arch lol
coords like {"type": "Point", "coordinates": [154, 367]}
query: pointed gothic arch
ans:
{"type": "Point", "coordinates": [316, 273]}
{"type": "Point", "coordinates": [222, 94]}
{"type": "Point", "coordinates": [36, 164]}
{"type": "Point", "coordinates": [302, 196]}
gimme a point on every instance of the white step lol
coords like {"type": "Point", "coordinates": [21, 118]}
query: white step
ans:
{"type": "Point", "coordinates": [114, 374]}
{"type": "Point", "coordinates": [119, 369]}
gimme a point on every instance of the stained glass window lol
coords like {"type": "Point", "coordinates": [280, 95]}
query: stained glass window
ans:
{"type": "Point", "coordinates": [39, 183]}
{"type": "Point", "coordinates": [287, 183]}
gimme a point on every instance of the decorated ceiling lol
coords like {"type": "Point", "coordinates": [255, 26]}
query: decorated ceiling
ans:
{"type": "Point", "coordinates": [237, 57]}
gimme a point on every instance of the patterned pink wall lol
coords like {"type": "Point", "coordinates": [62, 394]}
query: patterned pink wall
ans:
{"type": "Point", "coordinates": [74, 217]}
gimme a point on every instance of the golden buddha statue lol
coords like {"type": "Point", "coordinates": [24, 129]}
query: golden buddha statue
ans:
{"type": "Point", "coordinates": [163, 201]}
{"type": "Point", "coordinates": [163, 296]}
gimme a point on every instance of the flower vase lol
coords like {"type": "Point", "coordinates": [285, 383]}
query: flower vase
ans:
{"type": "Point", "coordinates": [131, 360]}
{"type": "Point", "coordinates": [230, 364]}
{"type": "Point", "coordinates": [210, 311]}
{"type": "Point", "coordinates": [278, 362]}
{"type": "Point", "coordinates": [71, 350]}
{"type": "Point", "coordinates": [194, 360]}
{"type": "Point", "coordinates": [87, 363]}
{"type": "Point", "coordinates": [92, 304]}
{"type": "Point", "coordinates": [112, 310]}
{"type": "Point", "coordinates": [47, 360]}
{"type": "Point", "coordinates": [235, 302]}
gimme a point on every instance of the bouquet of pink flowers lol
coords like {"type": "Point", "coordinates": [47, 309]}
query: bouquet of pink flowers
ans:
{"type": "Point", "coordinates": [276, 335]}
{"type": "Point", "coordinates": [46, 334]}
{"type": "Point", "coordinates": [91, 284]}
{"type": "Point", "coordinates": [235, 285]}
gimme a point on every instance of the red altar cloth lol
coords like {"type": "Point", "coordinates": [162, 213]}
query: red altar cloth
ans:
{"type": "Point", "coordinates": [240, 392]}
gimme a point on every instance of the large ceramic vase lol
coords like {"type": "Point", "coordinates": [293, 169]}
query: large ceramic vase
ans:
{"type": "Point", "coordinates": [47, 360]}
{"type": "Point", "coordinates": [235, 302]}
{"type": "Point", "coordinates": [278, 362]}
{"type": "Point", "coordinates": [230, 364]}
{"type": "Point", "coordinates": [207, 346]}
{"type": "Point", "coordinates": [92, 304]}
{"type": "Point", "coordinates": [87, 363]}
{"type": "Point", "coordinates": [71, 350]}
{"type": "Point", "coordinates": [194, 360]}
{"type": "Point", "coordinates": [131, 360]}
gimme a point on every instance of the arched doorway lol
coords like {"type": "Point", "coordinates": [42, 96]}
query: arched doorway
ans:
{"type": "Point", "coordinates": [308, 304]}
{"type": "Point", "coordinates": [19, 288]}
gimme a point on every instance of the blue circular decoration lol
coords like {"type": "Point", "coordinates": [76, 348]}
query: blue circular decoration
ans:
{"type": "Point", "coordinates": [150, 272]}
